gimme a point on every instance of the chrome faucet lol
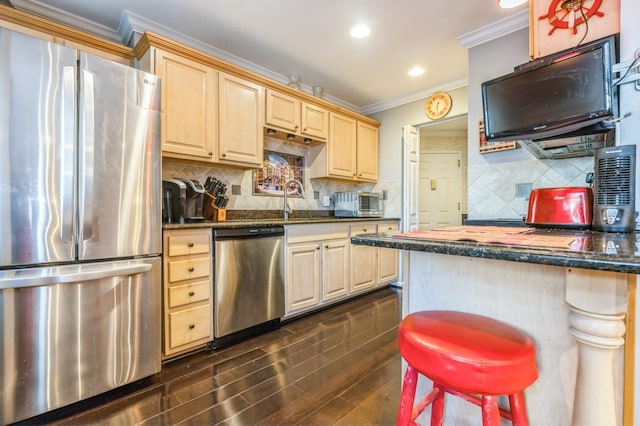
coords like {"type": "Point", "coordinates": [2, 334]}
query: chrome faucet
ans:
{"type": "Point", "coordinates": [285, 208]}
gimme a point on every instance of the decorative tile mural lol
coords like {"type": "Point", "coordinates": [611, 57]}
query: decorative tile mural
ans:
{"type": "Point", "coordinates": [278, 169]}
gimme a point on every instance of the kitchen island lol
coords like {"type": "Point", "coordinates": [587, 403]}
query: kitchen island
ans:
{"type": "Point", "coordinates": [572, 291]}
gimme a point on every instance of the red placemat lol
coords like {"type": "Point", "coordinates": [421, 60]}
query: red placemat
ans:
{"type": "Point", "coordinates": [492, 234]}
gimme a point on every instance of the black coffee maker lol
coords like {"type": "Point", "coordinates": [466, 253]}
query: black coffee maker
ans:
{"type": "Point", "coordinates": [193, 206]}
{"type": "Point", "coordinates": [174, 201]}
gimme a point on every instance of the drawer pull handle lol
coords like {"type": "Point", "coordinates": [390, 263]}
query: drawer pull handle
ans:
{"type": "Point", "coordinates": [189, 244]}
{"type": "Point", "coordinates": [192, 326]}
{"type": "Point", "coordinates": [191, 269]}
{"type": "Point", "coordinates": [192, 293]}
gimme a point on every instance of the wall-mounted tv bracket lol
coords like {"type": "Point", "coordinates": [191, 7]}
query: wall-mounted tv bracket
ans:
{"type": "Point", "coordinates": [629, 71]}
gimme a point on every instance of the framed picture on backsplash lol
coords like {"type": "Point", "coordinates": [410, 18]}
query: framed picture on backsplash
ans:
{"type": "Point", "coordinates": [277, 169]}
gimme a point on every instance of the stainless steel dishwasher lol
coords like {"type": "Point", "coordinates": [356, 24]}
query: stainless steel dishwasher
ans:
{"type": "Point", "coordinates": [248, 282]}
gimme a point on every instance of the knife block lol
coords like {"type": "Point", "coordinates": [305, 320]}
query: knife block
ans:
{"type": "Point", "coordinates": [211, 212]}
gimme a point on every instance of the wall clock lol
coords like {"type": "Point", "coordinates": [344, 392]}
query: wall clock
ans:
{"type": "Point", "coordinates": [556, 25]}
{"type": "Point", "coordinates": [438, 105]}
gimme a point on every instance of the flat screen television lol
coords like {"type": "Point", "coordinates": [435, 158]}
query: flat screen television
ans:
{"type": "Point", "coordinates": [559, 94]}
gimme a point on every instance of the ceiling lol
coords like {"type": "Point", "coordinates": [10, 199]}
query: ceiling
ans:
{"type": "Point", "coordinates": [310, 38]}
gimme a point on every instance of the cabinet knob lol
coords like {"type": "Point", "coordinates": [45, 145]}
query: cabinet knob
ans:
{"type": "Point", "coordinates": [189, 244]}
{"type": "Point", "coordinates": [210, 153]}
{"type": "Point", "coordinates": [317, 247]}
{"type": "Point", "coordinates": [192, 326]}
{"type": "Point", "coordinates": [223, 154]}
{"type": "Point", "coordinates": [191, 269]}
{"type": "Point", "coordinates": [192, 293]}
{"type": "Point", "coordinates": [296, 127]}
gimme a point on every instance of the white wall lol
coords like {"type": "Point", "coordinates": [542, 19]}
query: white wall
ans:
{"type": "Point", "coordinates": [390, 153]}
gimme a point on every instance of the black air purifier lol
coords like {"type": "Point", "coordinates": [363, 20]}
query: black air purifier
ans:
{"type": "Point", "coordinates": [615, 188]}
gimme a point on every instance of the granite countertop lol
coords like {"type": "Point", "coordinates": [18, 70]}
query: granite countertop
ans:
{"type": "Point", "coordinates": [242, 223]}
{"type": "Point", "coordinates": [618, 252]}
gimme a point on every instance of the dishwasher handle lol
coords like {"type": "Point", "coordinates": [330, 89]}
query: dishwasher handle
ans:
{"type": "Point", "coordinates": [248, 232]}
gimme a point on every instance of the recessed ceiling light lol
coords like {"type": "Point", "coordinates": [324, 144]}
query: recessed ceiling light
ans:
{"type": "Point", "coordinates": [508, 4]}
{"type": "Point", "coordinates": [360, 31]}
{"type": "Point", "coordinates": [416, 71]}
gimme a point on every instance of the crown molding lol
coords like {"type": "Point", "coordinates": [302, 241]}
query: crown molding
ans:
{"type": "Point", "coordinates": [495, 30]}
{"type": "Point", "coordinates": [66, 18]}
{"type": "Point", "coordinates": [139, 24]}
{"type": "Point", "coordinates": [416, 96]}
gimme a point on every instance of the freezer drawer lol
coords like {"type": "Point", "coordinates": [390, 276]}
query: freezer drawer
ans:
{"type": "Point", "coordinates": [71, 332]}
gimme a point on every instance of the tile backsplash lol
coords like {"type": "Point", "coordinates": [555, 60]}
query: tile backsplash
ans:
{"type": "Point", "coordinates": [243, 178]}
{"type": "Point", "coordinates": [493, 187]}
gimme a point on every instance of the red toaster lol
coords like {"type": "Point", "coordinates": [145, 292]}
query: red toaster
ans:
{"type": "Point", "coordinates": [569, 207]}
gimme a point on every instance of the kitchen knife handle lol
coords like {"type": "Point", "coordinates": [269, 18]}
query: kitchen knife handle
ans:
{"type": "Point", "coordinates": [67, 170]}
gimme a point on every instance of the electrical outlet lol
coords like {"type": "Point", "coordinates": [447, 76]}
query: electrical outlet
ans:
{"type": "Point", "coordinates": [326, 201]}
{"type": "Point", "coordinates": [385, 194]}
{"type": "Point", "coordinates": [316, 195]}
{"type": "Point", "coordinates": [236, 190]}
{"type": "Point", "coordinates": [523, 190]}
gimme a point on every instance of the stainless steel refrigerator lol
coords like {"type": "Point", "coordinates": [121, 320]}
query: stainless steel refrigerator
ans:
{"type": "Point", "coordinates": [80, 226]}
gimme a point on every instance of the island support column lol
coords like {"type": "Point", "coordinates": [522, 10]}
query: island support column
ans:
{"type": "Point", "coordinates": [598, 303]}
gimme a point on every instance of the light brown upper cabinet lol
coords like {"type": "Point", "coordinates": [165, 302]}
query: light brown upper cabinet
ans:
{"type": "Point", "coordinates": [367, 152]}
{"type": "Point", "coordinates": [351, 152]}
{"type": "Point", "coordinates": [240, 121]}
{"type": "Point", "coordinates": [188, 106]}
{"type": "Point", "coordinates": [215, 112]}
{"type": "Point", "coordinates": [342, 146]}
{"type": "Point", "coordinates": [296, 117]}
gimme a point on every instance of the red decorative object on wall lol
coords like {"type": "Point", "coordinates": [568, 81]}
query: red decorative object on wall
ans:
{"type": "Point", "coordinates": [555, 25]}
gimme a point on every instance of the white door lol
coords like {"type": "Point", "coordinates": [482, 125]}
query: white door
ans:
{"type": "Point", "coordinates": [439, 190]}
{"type": "Point", "coordinates": [410, 171]}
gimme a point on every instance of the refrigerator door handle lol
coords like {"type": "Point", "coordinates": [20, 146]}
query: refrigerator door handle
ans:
{"type": "Point", "coordinates": [68, 133]}
{"type": "Point", "coordinates": [87, 145]}
{"type": "Point", "coordinates": [27, 280]}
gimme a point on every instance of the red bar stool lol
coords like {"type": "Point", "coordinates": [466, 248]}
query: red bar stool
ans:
{"type": "Point", "coordinates": [471, 356]}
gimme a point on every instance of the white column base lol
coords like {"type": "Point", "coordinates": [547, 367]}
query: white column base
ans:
{"type": "Point", "coordinates": [599, 337]}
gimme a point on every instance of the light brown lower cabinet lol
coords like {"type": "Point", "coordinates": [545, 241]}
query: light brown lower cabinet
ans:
{"type": "Point", "coordinates": [187, 290]}
{"type": "Point", "coordinates": [323, 266]}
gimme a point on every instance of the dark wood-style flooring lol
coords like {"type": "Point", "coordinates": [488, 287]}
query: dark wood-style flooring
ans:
{"type": "Point", "coordinates": [340, 366]}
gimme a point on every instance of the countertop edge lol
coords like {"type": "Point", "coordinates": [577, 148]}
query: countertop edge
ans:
{"type": "Point", "coordinates": [543, 256]}
{"type": "Point", "coordinates": [273, 222]}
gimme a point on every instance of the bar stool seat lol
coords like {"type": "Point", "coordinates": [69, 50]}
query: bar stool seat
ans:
{"type": "Point", "coordinates": [468, 355]}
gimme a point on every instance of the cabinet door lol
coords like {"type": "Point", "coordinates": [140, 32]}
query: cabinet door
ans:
{"type": "Point", "coordinates": [363, 260]}
{"type": "Point", "coordinates": [335, 269]}
{"type": "Point", "coordinates": [367, 149]}
{"type": "Point", "coordinates": [188, 106]}
{"type": "Point", "coordinates": [342, 146]}
{"type": "Point", "coordinates": [315, 121]}
{"type": "Point", "coordinates": [241, 121]}
{"type": "Point", "coordinates": [387, 258]}
{"type": "Point", "coordinates": [303, 278]}
{"type": "Point", "coordinates": [282, 111]}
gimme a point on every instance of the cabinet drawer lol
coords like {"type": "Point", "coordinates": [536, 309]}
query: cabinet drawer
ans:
{"type": "Point", "coordinates": [189, 293]}
{"type": "Point", "coordinates": [316, 232]}
{"type": "Point", "coordinates": [189, 325]}
{"type": "Point", "coordinates": [187, 269]}
{"type": "Point", "coordinates": [387, 227]}
{"type": "Point", "coordinates": [191, 243]}
{"type": "Point", "coordinates": [365, 228]}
